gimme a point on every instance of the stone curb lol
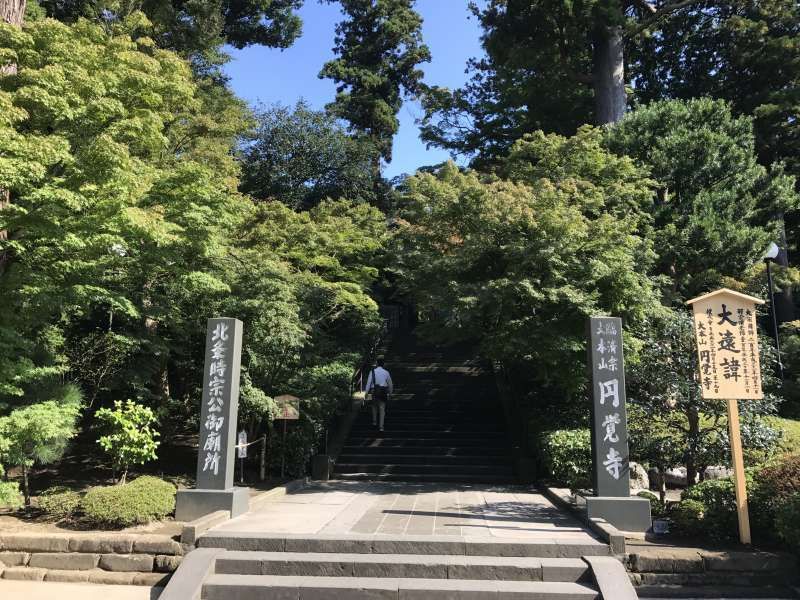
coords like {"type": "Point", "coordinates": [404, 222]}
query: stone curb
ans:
{"type": "Point", "coordinates": [187, 583]}
{"type": "Point", "coordinates": [123, 543]}
{"type": "Point", "coordinates": [607, 532]}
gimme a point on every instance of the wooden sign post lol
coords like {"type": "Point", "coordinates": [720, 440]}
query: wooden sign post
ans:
{"type": "Point", "coordinates": [729, 369]}
{"type": "Point", "coordinates": [288, 410]}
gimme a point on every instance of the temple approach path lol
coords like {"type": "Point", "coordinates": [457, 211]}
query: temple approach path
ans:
{"type": "Point", "coordinates": [485, 512]}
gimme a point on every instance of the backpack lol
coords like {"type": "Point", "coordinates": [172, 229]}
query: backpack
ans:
{"type": "Point", "coordinates": [380, 393]}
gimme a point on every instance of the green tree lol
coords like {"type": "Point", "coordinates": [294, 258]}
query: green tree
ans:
{"type": "Point", "coordinates": [744, 51]}
{"type": "Point", "coordinates": [39, 433]}
{"type": "Point", "coordinates": [379, 47]}
{"type": "Point", "coordinates": [670, 422]}
{"type": "Point", "coordinates": [303, 156]}
{"type": "Point", "coordinates": [125, 195]}
{"type": "Point", "coordinates": [520, 267]}
{"type": "Point", "coordinates": [191, 27]}
{"type": "Point", "coordinates": [130, 438]}
{"type": "Point", "coordinates": [713, 214]}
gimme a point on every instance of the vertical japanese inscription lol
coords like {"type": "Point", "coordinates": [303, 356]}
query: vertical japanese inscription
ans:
{"type": "Point", "coordinates": [727, 345]}
{"type": "Point", "coordinates": [610, 473]}
{"type": "Point", "coordinates": [220, 406]}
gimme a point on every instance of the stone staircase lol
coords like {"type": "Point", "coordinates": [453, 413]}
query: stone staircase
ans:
{"type": "Point", "coordinates": [444, 422]}
{"type": "Point", "coordinates": [403, 568]}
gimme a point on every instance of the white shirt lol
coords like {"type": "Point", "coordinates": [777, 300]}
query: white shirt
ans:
{"type": "Point", "coordinates": [382, 378]}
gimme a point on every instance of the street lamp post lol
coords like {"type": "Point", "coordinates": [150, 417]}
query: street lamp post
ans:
{"type": "Point", "coordinates": [770, 255]}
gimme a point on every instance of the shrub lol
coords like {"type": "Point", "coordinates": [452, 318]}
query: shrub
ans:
{"type": "Point", "coordinates": [131, 439]}
{"type": "Point", "coordinates": [567, 455]}
{"type": "Point", "coordinates": [59, 502]}
{"type": "Point", "coordinates": [787, 521]}
{"type": "Point", "coordinates": [656, 508]}
{"type": "Point", "coordinates": [718, 499]}
{"type": "Point", "coordinates": [10, 496]}
{"type": "Point", "coordinates": [781, 479]}
{"type": "Point", "coordinates": [143, 500]}
{"type": "Point", "coordinates": [687, 516]}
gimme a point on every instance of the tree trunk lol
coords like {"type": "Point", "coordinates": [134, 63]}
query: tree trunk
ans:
{"type": "Point", "coordinates": [26, 490]}
{"type": "Point", "coordinates": [691, 460]}
{"type": "Point", "coordinates": [784, 303]}
{"type": "Point", "coordinates": [13, 12]}
{"type": "Point", "coordinates": [609, 74]}
{"type": "Point", "coordinates": [124, 478]}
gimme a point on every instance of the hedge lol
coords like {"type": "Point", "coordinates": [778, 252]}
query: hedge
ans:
{"type": "Point", "coordinates": [567, 455]}
{"type": "Point", "coordinates": [59, 503]}
{"type": "Point", "coordinates": [143, 500]}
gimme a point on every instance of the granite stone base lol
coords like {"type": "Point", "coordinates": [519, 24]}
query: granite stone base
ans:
{"type": "Point", "coordinates": [626, 514]}
{"type": "Point", "coordinates": [193, 504]}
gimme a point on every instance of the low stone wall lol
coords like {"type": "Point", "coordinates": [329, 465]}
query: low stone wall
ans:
{"type": "Point", "coordinates": [662, 571]}
{"type": "Point", "coordinates": [90, 557]}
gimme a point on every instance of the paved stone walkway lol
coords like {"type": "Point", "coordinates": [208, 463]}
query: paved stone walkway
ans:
{"type": "Point", "coordinates": [418, 509]}
{"type": "Point", "coordinates": [47, 590]}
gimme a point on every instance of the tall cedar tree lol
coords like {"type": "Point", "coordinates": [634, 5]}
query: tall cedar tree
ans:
{"type": "Point", "coordinates": [379, 46]}
{"type": "Point", "coordinates": [550, 64]}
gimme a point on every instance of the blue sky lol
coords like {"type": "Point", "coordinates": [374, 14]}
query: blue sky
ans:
{"type": "Point", "coordinates": [268, 75]}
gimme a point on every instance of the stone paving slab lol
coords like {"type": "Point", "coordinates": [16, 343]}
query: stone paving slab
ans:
{"type": "Point", "coordinates": [35, 590]}
{"type": "Point", "coordinates": [506, 513]}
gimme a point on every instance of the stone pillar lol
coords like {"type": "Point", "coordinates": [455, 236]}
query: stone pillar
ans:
{"type": "Point", "coordinates": [610, 461]}
{"type": "Point", "coordinates": [218, 420]}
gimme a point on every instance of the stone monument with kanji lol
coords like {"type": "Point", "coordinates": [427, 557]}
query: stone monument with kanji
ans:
{"type": "Point", "coordinates": [218, 419]}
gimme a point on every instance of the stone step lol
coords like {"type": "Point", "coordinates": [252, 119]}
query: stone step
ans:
{"type": "Point", "coordinates": [411, 441]}
{"type": "Point", "coordinates": [270, 587]}
{"type": "Point", "coordinates": [424, 469]}
{"type": "Point", "coordinates": [406, 544]}
{"type": "Point", "coordinates": [379, 458]}
{"type": "Point", "coordinates": [387, 447]}
{"type": "Point", "coordinates": [433, 429]}
{"type": "Point", "coordinates": [426, 478]}
{"type": "Point", "coordinates": [403, 565]}
{"type": "Point", "coordinates": [476, 436]}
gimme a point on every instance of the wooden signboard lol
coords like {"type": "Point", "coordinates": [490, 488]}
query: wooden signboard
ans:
{"type": "Point", "coordinates": [288, 407]}
{"type": "Point", "coordinates": [729, 369]}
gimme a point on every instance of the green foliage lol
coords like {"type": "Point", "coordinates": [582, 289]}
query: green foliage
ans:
{"type": "Point", "coordinates": [656, 506]}
{"type": "Point", "coordinates": [787, 522]}
{"type": "Point", "coordinates": [192, 28]}
{"type": "Point", "coordinates": [143, 500]}
{"type": "Point", "coordinates": [10, 496]}
{"type": "Point", "coordinates": [718, 499]}
{"type": "Point", "coordinates": [687, 517]}
{"type": "Point", "coordinates": [124, 186]}
{"type": "Point", "coordinates": [131, 438]}
{"type": "Point", "coordinates": [670, 423]}
{"type": "Point", "coordinates": [567, 455]}
{"type": "Point", "coordinates": [39, 433]}
{"type": "Point", "coordinates": [712, 218]}
{"type": "Point", "coordinates": [59, 503]}
{"type": "Point", "coordinates": [302, 157]}
{"type": "Point", "coordinates": [743, 51]}
{"type": "Point", "coordinates": [378, 48]}
{"type": "Point", "coordinates": [513, 92]}
{"type": "Point", "coordinates": [520, 267]}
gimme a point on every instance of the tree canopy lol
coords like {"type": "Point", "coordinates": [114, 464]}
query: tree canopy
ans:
{"type": "Point", "coordinates": [301, 157]}
{"type": "Point", "coordinates": [190, 27]}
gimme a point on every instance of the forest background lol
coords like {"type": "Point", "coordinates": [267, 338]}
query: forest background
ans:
{"type": "Point", "coordinates": [624, 156]}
